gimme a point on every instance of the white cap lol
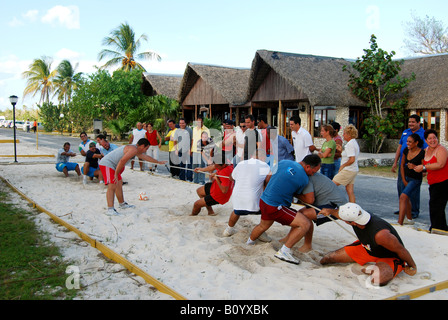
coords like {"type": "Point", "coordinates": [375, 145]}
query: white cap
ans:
{"type": "Point", "coordinates": [352, 212]}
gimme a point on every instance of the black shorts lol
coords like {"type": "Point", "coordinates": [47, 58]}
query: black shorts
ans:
{"type": "Point", "coordinates": [245, 212]}
{"type": "Point", "coordinates": [208, 198]}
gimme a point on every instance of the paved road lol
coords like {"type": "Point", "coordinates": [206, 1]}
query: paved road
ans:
{"type": "Point", "coordinates": [379, 196]}
{"type": "Point", "coordinates": [54, 141]}
{"type": "Point", "coordinates": [376, 195]}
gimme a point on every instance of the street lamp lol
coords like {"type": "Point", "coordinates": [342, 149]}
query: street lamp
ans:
{"type": "Point", "coordinates": [13, 100]}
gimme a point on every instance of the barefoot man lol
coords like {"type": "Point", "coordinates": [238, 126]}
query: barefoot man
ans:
{"type": "Point", "coordinates": [378, 242]}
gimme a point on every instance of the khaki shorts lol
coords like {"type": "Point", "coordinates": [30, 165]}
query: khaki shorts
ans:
{"type": "Point", "coordinates": [345, 177]}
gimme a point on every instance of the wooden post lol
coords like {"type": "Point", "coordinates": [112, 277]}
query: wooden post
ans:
{"type": "Point", "coordinates": [281, 119]}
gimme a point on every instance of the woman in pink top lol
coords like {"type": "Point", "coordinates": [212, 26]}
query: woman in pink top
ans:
{"type": "Point", "coordinates": [436, 164]}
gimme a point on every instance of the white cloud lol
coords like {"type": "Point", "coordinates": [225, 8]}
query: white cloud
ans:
{"type": "Point", "coordinates": [15, 22]}
{"type": "Point", "coordinates": [67, 17]}
{"type": "Point", "coordinates": [13, 66]}
{"type": "Point", "coordinates": [31, 15]}
{"type": "Point", "coordinates": [165, 66]}
{"type": "Point", "coordinates": [67, 54]}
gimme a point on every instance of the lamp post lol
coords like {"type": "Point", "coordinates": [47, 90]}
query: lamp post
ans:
{"type": "Point", "coordinates": [13, 100]}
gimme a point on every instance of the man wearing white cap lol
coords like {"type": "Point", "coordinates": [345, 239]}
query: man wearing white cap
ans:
{"type": "Point", "coordinates": [378, 242]}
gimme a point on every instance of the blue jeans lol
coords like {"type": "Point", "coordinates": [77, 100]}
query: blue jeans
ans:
{"type": "Point", "coordinates": [198, 162]}
{"type": "Point", "coordinates": [327, 170]}
{"type": "Point", "coordinates": [186, 162]}
{"type": "Point", "coordinates": [337, 165]}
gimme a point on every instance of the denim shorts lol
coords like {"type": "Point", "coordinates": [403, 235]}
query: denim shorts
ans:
{"type": "Point", "coordinates": [412, 185]}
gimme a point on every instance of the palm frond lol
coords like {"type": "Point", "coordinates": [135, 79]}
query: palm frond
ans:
{"type": "Point", "coordinates": [149, 55]}
{"type": "Point", "coordinates": [124, 45]}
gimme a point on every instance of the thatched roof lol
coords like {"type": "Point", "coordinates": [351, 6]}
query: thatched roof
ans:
{"type": "Point", "coordinates": [231, 83]}
{"type": "Point", "coordinates": [429, 90]}
{"type": "Point", "coordinates": [167, 85]}
{"type": "Point", "coordinates": [321, 79]}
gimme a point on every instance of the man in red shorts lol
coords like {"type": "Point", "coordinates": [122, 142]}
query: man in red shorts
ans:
{"type": "Point", "coordinates": [289, 179]}
{"type": "Point", "coordinates": [378, 242]}
{"type": "Point", "coordinates": [112, 166]}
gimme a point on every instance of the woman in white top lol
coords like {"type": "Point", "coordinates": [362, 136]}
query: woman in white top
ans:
{"type": "Point", "coordinates": [349, 168]}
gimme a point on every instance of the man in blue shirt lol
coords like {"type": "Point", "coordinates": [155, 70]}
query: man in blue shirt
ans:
{"type": "Point", "coordinates": [413, 127]}
{"type": "Point", "coordinates": [281, 149]}
{"type": "Point", "coordinates": [288, 180]}
{"type": "Point", "coordinates": [106, 146]}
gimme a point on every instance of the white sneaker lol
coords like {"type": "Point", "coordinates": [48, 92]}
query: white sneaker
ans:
{"type": "Point", "coordinates": [84, 180]}
{"type": "Point", "coordinates": [264, 237]}
{"type": "Point", "coordinates": [126, 205]}
{"type": "Point", "coordinates": [408, 222]}
{"type": "Point", "coordinates": [229, 231]}
{"type": "Point", "coordinates": [286, 256]}
{"type": "Point", "coordinates": [250, 242]}
{"type": "Point", "coordinates": [112, 212]}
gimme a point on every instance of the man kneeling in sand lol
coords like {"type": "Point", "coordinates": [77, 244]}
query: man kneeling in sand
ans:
{"type": "Point", "coordinates": [112, 166]}
{"type": "Point", "coordinates": [378, 242]}
{"type": "Point", "coordinates": [219, 190]}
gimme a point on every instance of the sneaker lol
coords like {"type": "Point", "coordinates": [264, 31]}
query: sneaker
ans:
{"type": "Point", "coordinates": [229, 231]}
{"type": "Point", "coordinates": [250, 242]}
{"type": "Point", "coordinates": [286, 256]}
{"type": "Point", "coordinates": [84, 180]}
{"type": "Point", "coordinates": [112, 212]}
{"type": "Point", "coordinates": [126, 205]}
{"type": "Point", "coordinates": [408, 222]}
{"type": "Point", "coordinates": [264, 237]}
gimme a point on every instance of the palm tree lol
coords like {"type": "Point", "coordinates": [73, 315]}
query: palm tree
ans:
{"type": "Point", "coordinates": [40, 79]}
{"type": "Point", "coordinates": [123, 41]}
{"type": "Point", "coordinates": [66, 80]}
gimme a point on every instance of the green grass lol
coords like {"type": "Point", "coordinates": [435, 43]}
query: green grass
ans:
{"type": "Point", "coordinates": [381, 171]}
{"type": "Point", "coordinates": [378, 171]}
{"type": "Point", "coordinates": [31, 268]}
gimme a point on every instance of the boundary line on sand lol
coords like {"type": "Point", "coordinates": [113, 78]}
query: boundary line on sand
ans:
{"type": "Point", "coordinates": [420, 292]}
{"type": "Point", "coordinates": [28, 156]}
{"type": "Point", "coordinates": [109, 253]}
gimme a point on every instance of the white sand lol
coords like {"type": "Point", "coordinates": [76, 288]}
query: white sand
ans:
{"type": "Point", "coordinates": [190, 255]}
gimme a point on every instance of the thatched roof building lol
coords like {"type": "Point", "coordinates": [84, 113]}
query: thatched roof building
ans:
{"type": "Point", "coordinates": [429, 90]}
{"type": "Point", "coordinates": [212, 90]}
{"type": "Point", "coordinates": [318, 79]}
{"type": "Point", "coordinates": [167, 85]}
{"type": "Point", "coordinates": [285, 84]}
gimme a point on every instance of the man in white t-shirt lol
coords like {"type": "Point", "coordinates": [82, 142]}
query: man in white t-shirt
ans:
{"type": "Point", "coordinates": [250, 176]}
{"type": "Point", "coordinates": [302, 141]}
{"type": "Point", "coordinates": [137, 134]}
{"type": "Point", "coordinates": [84, 145]}
{"type": "Point", "coordinates": [240, 134]}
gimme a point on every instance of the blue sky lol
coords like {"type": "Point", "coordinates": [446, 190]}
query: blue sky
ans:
{"type": "Point", "coordinates": [226, 33]}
